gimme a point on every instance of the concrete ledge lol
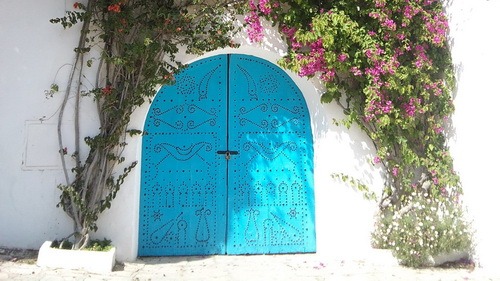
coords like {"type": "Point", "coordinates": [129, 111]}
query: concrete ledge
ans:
{"type": "Point", "coordinates": [449, 257]}
{"type": "Point", "coordinates": [91, 261]}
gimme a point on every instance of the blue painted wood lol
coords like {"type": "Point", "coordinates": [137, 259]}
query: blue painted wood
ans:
{"type": "Point", "coordinates": [183, 194]}
{"type": "Point", "coordinates": [194, 201]}
{"type": "Point", "coordinates": [271, 199]}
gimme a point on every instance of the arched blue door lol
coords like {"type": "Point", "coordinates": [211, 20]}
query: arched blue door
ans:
{"type": "Point", "coordinates": [227, 165]}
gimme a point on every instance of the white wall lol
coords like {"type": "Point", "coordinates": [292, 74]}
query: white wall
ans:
{"type": "Point", "coordinates": [474, 29]}
{"type": "Point", "coordinates": [32, 51]}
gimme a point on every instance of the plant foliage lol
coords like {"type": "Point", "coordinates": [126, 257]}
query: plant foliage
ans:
{"type": "Point", "coordinates": [136, 41]}
{"type": "Point", "coordinates": [387, 64]}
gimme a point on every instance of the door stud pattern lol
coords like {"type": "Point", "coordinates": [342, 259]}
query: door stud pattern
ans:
{"type": "Point", "coordinates": [227, 163]}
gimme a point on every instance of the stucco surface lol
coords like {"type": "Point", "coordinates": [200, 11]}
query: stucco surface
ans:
{"type": "Point", "coordinates": [35, 53]}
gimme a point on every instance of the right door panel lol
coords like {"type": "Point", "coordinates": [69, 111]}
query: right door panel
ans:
{"type": "Point", "coordinates": [270, 181]}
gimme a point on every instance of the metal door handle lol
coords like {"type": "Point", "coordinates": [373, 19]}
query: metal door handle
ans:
{"type": "Point", "coordinates": [228, 153]}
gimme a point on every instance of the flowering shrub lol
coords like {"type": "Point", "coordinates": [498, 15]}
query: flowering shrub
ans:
{"type": "Point", "coordinates": [424, 228]}
{"type": "Point", "coordinates": [388, 66]}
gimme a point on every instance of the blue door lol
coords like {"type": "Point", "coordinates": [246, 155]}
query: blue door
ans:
{"type": "Point", "coordinates": [227, 163]}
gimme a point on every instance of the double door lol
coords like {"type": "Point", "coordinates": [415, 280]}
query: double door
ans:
{"type": "Point", "coordinates": [227, 163]}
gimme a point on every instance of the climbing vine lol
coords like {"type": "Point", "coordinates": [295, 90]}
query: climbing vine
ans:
{"type": "Point", "coordinates": [387, 64]}
{"type": "Point", "coordinates": [136, 43]}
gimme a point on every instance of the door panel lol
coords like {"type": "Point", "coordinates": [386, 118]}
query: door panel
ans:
{"type": "Point", "coordinates": [270, 195]}
{"type": "Point", "coordinates": [195, 199]}
{"type": "Point", "coordinates": [183, 195]}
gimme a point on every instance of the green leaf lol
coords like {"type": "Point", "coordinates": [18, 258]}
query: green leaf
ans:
{"type": "Point", "coordinates": [326, 98]}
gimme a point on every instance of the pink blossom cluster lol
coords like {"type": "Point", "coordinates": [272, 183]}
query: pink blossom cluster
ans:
{"type": "Point", "coordinates": [289, 33]}
{"type": "Point", "coordinates": [266, 7]}
{"type": "Point", "coordinates": [421, 58]}
{"type": "Point", "coordinates": [411, 107]}
{"type": "Point", "coordinates": [439, 126]}
{"type": "Point", "coordinates": [395, 171]}
{"type": "Point", "coordinates": [409, 11]}
{"type": "Point", "coordinates": [314, 60]}
{"type": "Point", "coordinates": [341, 57]}
{"type": "Point", "coordinates": [437, 25]}
{"type": "Point", "coordinates": [435, 179]}
{"type": "Point", "coordinates": [255, 30]}
{"type": "Point", "coordinates": [380, 106]}
{"type": "Point", "coordinates": [436, 88]}
{"type": "Point", "coordinates": [438, 129]}
{"type": "Point", "coordinates": [384, 17]}
{"type": "Point", "coordinates": [380, 63]}
{"type": "Point", "coordinates": [356, 71]}
{"type": "Point", "coordinates": [389, 24]}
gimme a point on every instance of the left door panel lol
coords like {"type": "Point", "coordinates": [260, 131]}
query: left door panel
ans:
{"type": "Point", "coordinates": [183, 188]}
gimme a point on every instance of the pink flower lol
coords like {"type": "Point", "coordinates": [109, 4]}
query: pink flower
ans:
{"type": "Point", "coordinates": [376, 160]}
{"type": "Point", "coordinates": [341, 57]}
{"type": "Point", "coordinates": [444, 192]}
{"type": "Point", "coordinates": [374, 15]}
{"type": "Point", "coordinates": [438, 129]}
{"type": "Point", "coordinates": [418, 63]}
{"type": "Point", "coordinates": [390, 24]}
{"type": "Point", "coordinates": [255, 30]}
{"type": "Point", "coordinates": [265, 7]}
{"type": "Point", "coordinates": [387, 107]}
{"type": "Point", "coordinates": [328, 75]}
{"type": "Point", "coordinates": [435, 180]}
{"type": "Point", "coordinates": [395, 171]}
{"type": "Point", "coordinates": [409, 12]}
{"type": "Point", "coordinates": [437, 26]}
{"type": "Point", "coordinates": [410, 107]}
{"type": "Point", "coordinates": [355, 71]}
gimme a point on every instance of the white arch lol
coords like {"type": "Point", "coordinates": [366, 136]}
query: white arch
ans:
{"type": "Point", "coordinates": [336, 149]}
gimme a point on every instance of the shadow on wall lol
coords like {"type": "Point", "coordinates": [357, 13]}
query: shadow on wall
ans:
{"type": "Point", "coordinates": [344, 150]}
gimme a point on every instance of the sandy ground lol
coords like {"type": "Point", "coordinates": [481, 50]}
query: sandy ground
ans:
{"type": "Point", "coordinates": [21, 265]}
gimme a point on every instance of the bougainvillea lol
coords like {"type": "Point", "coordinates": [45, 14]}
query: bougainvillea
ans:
{"type": "Point", "coordinates": [387, 65]}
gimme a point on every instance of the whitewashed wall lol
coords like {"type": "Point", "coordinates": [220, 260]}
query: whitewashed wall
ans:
{"type": "Point", "coordinates": [35, 53]}
{"type": "Point", "coordinates": [31, 52]}
{"type": "Point", "coordinates": [475, 41]}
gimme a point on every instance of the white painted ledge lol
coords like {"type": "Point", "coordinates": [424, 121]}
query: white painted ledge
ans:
{"type": "Point", "coordinates": [91, 261]}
